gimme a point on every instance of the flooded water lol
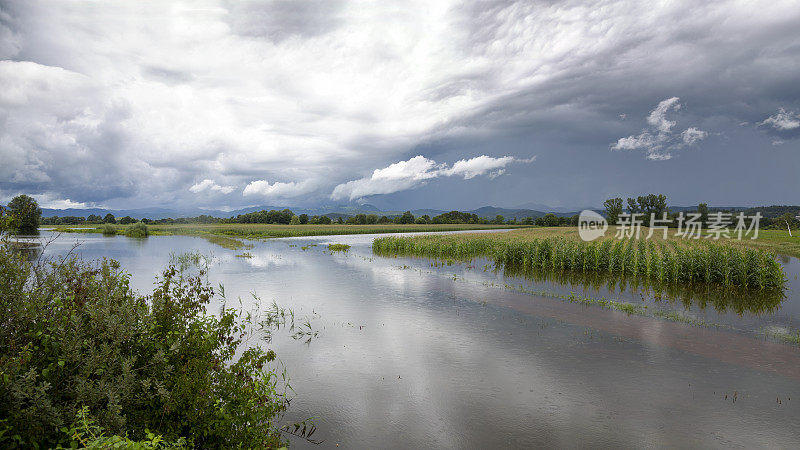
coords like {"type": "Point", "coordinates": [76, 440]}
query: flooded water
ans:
{"type": "Point", "coordinates": [460, 356]}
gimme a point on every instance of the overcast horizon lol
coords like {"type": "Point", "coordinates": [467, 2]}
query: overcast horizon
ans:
{"type": "Point", "coordinates": [441, 105]}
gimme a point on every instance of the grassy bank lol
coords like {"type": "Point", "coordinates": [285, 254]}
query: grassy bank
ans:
{"type": "Point", "coordinates": [664, 261]}
{"type": "Point", "coordinates": [265, 231]}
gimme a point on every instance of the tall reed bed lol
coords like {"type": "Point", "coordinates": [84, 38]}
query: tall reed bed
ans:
{"type": "Point", "coordinates": [683, 262]}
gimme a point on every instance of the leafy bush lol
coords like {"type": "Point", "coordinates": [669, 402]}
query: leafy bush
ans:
{"type": "Point", "coordinates": [137, 230]}
{"type": "Point", "coordinates": [86, 433]}
{"type": "Point", "coordinates": [75, 337]}
{"type": "Point", "coordinates": [109, 229]}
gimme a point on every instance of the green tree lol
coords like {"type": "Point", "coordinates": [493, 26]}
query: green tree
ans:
{"type": "Point", "coordinates": [94, 218]}
{"type": "Point", "coordinates": [7, 221]}
{"type": "Point", "coordinates": [109, 218]}
{"type": "Point", "coordinates": [551, 220]}
{"type": "Point", "coordinates": [648, 205]}
{"type": "Point", "coordinates": [303, 218]}
{"type": "Point", "coordinates": [407, 217]}
{"type": "Point", "coordinates": [294, 220]}
{"type": "Point", "coordinates": [633, 207]}
{"type": "Point", "coordinates": [613, 210]}
{"type": "Point", "coordinates": [702, 208]}
{"type": "Point", "coordinates": [499, 220]}
{"type": "Point", "coordinates": [26, 213]}
{"type": "Point", "coordinates": [127, 220]}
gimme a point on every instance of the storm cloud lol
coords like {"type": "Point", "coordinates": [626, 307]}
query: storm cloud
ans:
{"type": "Point", "coordinates": [227, 104]}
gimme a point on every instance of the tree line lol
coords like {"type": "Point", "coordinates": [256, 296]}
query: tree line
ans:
{"type": "Point", "coordinates": [288, 217]}
{"type": "Point", "coordinates": [24, 215]}
{"type": "Point", "coordinates": [655, 206]}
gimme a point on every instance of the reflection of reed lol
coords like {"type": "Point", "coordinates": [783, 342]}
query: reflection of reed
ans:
{"type": "Point", "coordinates": [721, 298]}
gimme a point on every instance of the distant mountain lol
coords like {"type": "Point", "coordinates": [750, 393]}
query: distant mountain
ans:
{"type": "Point", "coordinates": [333, 211]}
{"type": "Point", "coordinates": [347, 210]}
{"type": "Point", "coordinates": [554, 209]}
{"type": "Point", "coordinates": [423, 212]}
{"type": "Point", "coordinates": [774, 210]}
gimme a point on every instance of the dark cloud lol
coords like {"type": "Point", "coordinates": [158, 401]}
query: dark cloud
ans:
{"type": "Point", "coordinates": [134, 104]}
{"type": "Point", "coordinates": [169, 76]}
{"type": "Point", "coordinates": [277, 20]}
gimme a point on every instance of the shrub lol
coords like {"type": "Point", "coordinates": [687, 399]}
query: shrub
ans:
{"type": "Point", "coordinates": [74, 335]}
{"type": "Point", "coordinates": [109, 229]}
{"type": "Point", "coordinates": [137, 230]}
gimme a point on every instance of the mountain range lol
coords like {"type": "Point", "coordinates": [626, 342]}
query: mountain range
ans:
{"type": "Point", "coordinates": [331, 211]}
{"type": "Point", "coordinates": [334, 211]}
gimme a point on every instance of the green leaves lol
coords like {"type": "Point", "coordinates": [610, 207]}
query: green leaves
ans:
{"type": "Point", "coordinates": [143, 372]}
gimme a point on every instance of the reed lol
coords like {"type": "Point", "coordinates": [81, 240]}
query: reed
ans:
{"type": "Point", "coordinates": [109, 230]}
{"type": "Point", "coordinates": [137, 230]}
{"type": "Point", "coordinates": [677, 262]}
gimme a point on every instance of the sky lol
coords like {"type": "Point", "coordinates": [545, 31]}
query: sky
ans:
{"type": "Point", "coordinates": [418, 104]}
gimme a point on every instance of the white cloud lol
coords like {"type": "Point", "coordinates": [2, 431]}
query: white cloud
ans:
{"type": "Point", "coordinates": [659, 139]}
{"type": "Point", "coordinates": [416, 171]}
{"type": "Point", "coordinates": [210, 185]}
{"type": "Point", "coordinates": [481, 165]}
{"type": "Point", "coordinates": [45, 201]}
{"type": "Point", "coordinates": [115, 103]}
{"type": "Point", "coordinates": [278, 189]}
{"type": "Point", "coordinates": [658, 117]}
{"type": "Point", "coordinates": [692, 135]}
{"type": "Point", "coordinates": [783, 120]}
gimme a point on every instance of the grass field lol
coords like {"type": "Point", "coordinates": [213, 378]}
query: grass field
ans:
{"type": "Point", "coordinates": [226, 234]}
{"type": "Point", "coordinates": [740, 264]}
{"type": "Point", "coordinates": [775, 241]}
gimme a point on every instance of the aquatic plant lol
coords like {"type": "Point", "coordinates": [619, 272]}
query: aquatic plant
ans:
{"type": "Point", "coordinates": [137, 230]}
{"type": "Point", "coordinates": [338, 247]}
{"type": "Point", "coordinates": [676, 262]}
{"type": "Point", "coordinates": [109, 230]}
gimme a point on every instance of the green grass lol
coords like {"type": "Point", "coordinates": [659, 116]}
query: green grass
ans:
{"type": "Point", "coordinates": [226, 242]}
{"type": "Point", "coordinates": [338, 247]}
{"type": "Point", "coordinates": [137, 230]}
{"type": "Point", "coordinates": [108, 230]}
{"type": "Point", "coordinates": [671, 261]}
{"type": "Point", "coordinates": [264, 231]}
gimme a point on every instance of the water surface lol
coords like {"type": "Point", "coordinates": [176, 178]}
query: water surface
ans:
{"type": "Point", "coordinates": [410, 355]}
